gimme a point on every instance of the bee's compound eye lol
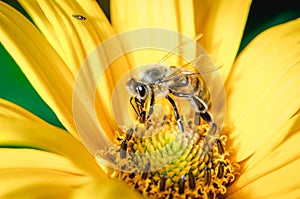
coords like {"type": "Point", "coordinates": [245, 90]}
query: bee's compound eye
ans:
{"type": "Point", "coordinates": [142, 90]}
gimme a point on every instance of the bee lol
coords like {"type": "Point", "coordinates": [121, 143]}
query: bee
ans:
{"type": "Point", "coordinates": [172, 83]}
{"type": "Point", "coordinates": [79, 17]}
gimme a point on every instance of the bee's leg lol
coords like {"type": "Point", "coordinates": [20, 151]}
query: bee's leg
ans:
{"type": "Point", "coordinates": [176, 113]}
{"type": "Point", "coordinates": [202, 107]}
{"type": "Point", "coordinates": [139, 112]}
{"type": "Point", "coordinates": [202, 110]}
{"type": "Point", "coordinates": [212, 136]}
{"type": "Point", "coordinates": [140, 116]}
{"type": "Point", "coordinates": [197, 119]}
{"type": "Point", "coordinates": [198, 107]}
{"type": "Point", "coordinates": [131, 99]}
{"type": "Point", "coordinates": [150, 111]}
{"type": "Point", "coordinates": [152, 102]}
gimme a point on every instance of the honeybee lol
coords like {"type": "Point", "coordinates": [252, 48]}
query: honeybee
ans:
{"type": "Point", "coordinates": [169, 82]}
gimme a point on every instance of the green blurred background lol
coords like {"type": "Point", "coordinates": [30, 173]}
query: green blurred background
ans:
{"type": "Point", "coordinates": [15, 87]}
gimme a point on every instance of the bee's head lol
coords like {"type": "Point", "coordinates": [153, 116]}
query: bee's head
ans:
{"type": "Point", "coordinates": [137, 89]}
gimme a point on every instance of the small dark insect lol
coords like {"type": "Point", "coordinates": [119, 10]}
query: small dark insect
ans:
{"type": "Point", "coordinates": [181, 184]}
{"type": "Point", "coordinates": [162, 184]}
{"type": "Point", "coordinates": [192, 181]}
{"type": "Point", "coordinates": [79, 17]}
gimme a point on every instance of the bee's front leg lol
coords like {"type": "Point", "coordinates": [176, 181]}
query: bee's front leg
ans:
{"type": "Point", "coordinates": [138, 108]}
{"type": "Point", "coordinates": [152, 102]}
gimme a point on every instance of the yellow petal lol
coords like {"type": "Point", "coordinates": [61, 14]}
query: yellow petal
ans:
{"type": "Point", "coordinates": [273, 151]}
{"type": "Point", "coordinates": [31, 134]}
{"type": "Point", "coordinates": [39, 61]}
{"type": "Point", "coordinates": [282, 183]}
{"type": "Point", "coordinates": [222, 24]}
{"type": "Point", "coordinates": [31, 173]}
{"type": "Point", "coordinates": [18, 158]}
{"type": "Point", "coordinates": [169, 14]}
{"type": "Point", "coordinates": [54, 173]}
{"type": "Point", "coordinates": [71, 38]}
{"type": "Point", "coordinates": [9, 109]}
{"type": "Point", "coordinates": [174, 15]}
{"type": "Point", "coordinates": [264, 87]}
{"type": "Point", "coordinates": [273, 174]}
{"type": "Point", "coordinates": [38, 183]}
{"type": "Point", "coordinates": [102, 27]}
{"type": "Point", "coordinates": [48, 185]}
{"type": "Point", "coordinates": [108, 190]}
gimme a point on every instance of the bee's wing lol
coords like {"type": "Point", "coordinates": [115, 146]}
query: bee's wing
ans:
{"type": "Point", "coordinates": [197, 67]}
{"type": "Point", "coordinates": [179, 73]}
{"type": "Point", "coordinates": [200, 62]}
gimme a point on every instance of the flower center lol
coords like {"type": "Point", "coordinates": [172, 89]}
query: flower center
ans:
{"type": "Point", "coordinates": [191, 168]}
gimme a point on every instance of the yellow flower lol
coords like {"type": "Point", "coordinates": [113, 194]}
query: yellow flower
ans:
{"type": "Point", "coordinates": [39, 160]}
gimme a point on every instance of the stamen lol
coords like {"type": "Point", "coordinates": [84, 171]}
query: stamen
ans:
{"type": "Point", "coordinates": [221, 170]}
{"type": "Point", "coordinates": [123, 149]}
{"type": "Point", "coordinates": [202, 167]}
{"type": "Point", "coordinates": [220, 147]}
{"type": "Point", "coordinates": [145, 174]}
{"type": "Point", "coordinates": [162, 184]}
{"type": "Point", "coordinates": [129, 134]}
{"type": "Point", "coordinates": [181, 184]}
{"type": "Point", "coordinates": [192, 181]}
{"type": "Point", "coordinates": [207, 176]}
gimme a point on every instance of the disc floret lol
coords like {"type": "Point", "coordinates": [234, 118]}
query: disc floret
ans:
{"type": "Point", "coordinates": [183, 165]}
